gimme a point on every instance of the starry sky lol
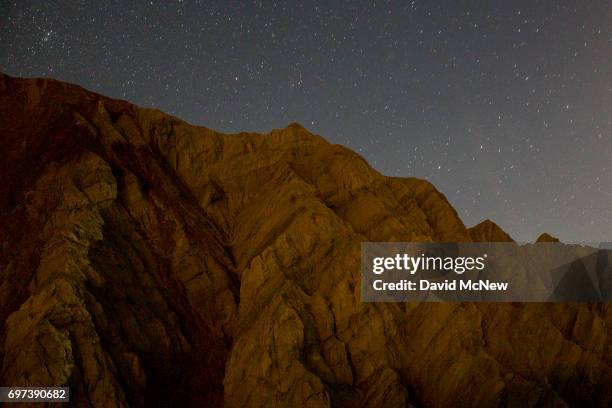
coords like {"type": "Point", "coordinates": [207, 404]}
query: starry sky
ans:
{"type": "Point", "coordinates": [506, 106]}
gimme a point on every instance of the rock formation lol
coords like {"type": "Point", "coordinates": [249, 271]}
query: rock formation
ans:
{"type": "Point", "coordinates": [546, 237]}
{"type": "Point", "coordinates": [488, 231]}
{"type": "Point", "coordinates": [148, 262]}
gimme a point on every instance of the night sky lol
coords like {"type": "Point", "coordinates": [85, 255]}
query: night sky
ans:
{"type": "Point", "coordinates": [506, 108]}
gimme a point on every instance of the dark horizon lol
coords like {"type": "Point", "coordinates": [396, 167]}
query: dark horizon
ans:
{"type": "Point", "coordinates": [506, 109]}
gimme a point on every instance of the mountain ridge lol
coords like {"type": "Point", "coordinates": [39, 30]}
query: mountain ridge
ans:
{"type": "Point", "coordinates": [146, 261]}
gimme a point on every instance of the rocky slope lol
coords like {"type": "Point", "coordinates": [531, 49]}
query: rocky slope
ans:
{"type": "Point", "coordinates": [488, 231]}
{"type": "Point", "coordinates": [148, 262]}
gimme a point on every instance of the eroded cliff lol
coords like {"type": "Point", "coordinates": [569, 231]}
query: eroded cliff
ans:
{"type": "Point", "coordinates": [146, 261]}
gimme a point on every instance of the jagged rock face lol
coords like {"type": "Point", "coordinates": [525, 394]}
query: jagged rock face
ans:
{"type": "Point", "coordinates": [488, 231]}
{"type": "Point", "coordinates": [148, 262]}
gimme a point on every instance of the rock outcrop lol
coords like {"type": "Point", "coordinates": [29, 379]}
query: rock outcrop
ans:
{"type": "Point", "coordinates": [148, 262]}
{"type": "Point", "coordinates": [546, 237]}
{"type": "Point", "coordinates": [488, 231]}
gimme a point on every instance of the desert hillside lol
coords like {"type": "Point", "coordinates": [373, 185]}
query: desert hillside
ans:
{"type": "Point", "coordinates": [148, 262]}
